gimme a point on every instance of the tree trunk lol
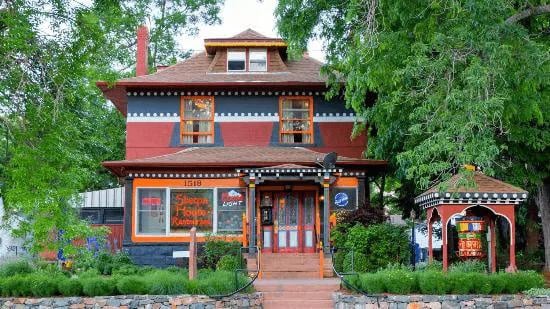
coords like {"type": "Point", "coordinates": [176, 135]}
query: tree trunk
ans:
{"type": "Point", "coordinates": [543, 202]}
{"type": "Point", "coordinates": [532, 233]}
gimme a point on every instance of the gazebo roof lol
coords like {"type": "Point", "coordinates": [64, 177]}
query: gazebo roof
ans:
{"type": "Point", "coordinates": [477, 189]}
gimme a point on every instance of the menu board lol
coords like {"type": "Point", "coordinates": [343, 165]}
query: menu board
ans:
{"type": "Point", "coordinates": [191, 208]}
{"type": "Point", "coordinates": [231, 206]}
{"type": "Point", "coordinates": [343, 198]}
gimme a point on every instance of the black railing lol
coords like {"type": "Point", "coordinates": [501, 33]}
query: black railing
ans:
{"type": "Point", "coordinates": [255, 272]}
{"type": "Point", "coordinates": [341, 274]}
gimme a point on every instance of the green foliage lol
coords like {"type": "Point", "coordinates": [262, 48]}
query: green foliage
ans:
{"type": "Point", "coordinates": [339, 258]}
{"type": "Point", "coordinates": [474, 266]}
{"type": "Point", "coordinates": [382, 244]}
{"type": "Point", "coordinates": [538, 292]}
{"type": "Point", "coordinates": [498, 282]}
{"type": "Point", "coordinates": [528, 279]}
{"type": "Point", "coordinates": [126, 270]}
{"type": "Point", "coordinates": [372, 283]}
{"type": "Point", "coordinates": [105, 263]}
{"type": "Point", "coordinates": [432, 282]}
{"type": "Point", "coordinates": [355, 262]}
{"type": "Point", "coordinates": [399, 280]}
{"type": "Point", "coordinates": [69, 287]}
{"type": "Point", "coordinates": [44, 285]}
{"type": "Point", "coordinates": [17, 285]}
{"type": "Point", "coordinates": [214, 250]}
{"type": "Point", "coordinates": [132, 285]}
{"type": "Point", "coordinates": [430, 266]}
{"type": "Point", "coordinates": [229, 263]}
{"type": "Point", "coordinates": [98, 286]}
{"type": "Point", "coordinates": [18, 267]}
{"type": "Point", "coordinates": [162, 282]}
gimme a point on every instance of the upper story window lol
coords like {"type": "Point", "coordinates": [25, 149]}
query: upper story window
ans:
{"type": "Point", "coordinates": [197, 120]}
{"type": "Point", "coordinates": [236, 60]}
{"type": "Point", "coordinates": [296, 120]}
{"type": "Point", "coordinates": [257, 60]}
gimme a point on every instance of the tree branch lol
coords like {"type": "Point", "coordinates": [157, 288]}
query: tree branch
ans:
{"type": "Point", "coordinates": [532, 11]}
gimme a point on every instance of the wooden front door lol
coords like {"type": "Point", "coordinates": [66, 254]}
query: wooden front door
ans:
{"type": "Point", "coordinates": [295, 215]}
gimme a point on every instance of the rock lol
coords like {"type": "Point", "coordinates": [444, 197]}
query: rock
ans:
{"type": "Point", "coordinates": [449, 305]}
{"type": "Point", "coordinates": [77, 306]}
{"type": "Point", "coordinates": [433, 305]}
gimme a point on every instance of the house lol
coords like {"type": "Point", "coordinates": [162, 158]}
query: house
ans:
{"type": "Point", "coordinates": [238, 141]}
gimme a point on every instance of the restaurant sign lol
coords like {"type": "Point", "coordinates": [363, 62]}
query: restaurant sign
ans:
{"type": "Point", "coordinates": [231, 206]}
{"type": "Point", "coordinates": [343, 198]}
{"type": "Point", "coordinates": [191, 208]}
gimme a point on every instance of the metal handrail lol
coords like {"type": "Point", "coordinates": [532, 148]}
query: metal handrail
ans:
{"type": "Point", "coordinates": [342, 274]}
{"type": "Point", "coordinates": [244, 270]}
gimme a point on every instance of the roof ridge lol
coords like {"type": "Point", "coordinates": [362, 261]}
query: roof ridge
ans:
{"type": "Point", "coordinates": [479, 173]}
{"type": "Point", "coordinates": [171, 154]}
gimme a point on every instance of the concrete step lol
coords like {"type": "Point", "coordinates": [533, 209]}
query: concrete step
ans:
{"type": "Point", "coordinates": [297, 304]}
{"type": "Point", "coordinates": [290, 274]}
{"type": "Point", "coordinates": [290, 266]}
{"type": "Point", "coordinates": [293, 295]}
{"type": "Point", "coordinates": [297, 285]}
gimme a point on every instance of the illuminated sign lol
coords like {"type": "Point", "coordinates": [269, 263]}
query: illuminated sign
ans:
{"type": "Point", "coordinates": [343, 198]}
{"type": "Point", "coordinates": [190, 208]}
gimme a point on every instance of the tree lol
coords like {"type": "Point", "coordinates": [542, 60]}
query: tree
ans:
{"type": "Point", "coordinates": [58, 128]}
{"type": "Point", "coordinates": [456, 82]}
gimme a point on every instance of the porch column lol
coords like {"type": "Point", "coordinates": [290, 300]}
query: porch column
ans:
{"type": "Point", "coordinates": [512, 267]}
{"type": "Point", "coordinates": [128, 215]}
{"type": "Point", "coordinates": [430, 242]}
{"type": "Point", "coordinates": [362, 192]}
{"type": "Point", "coordinates": [445, 241]}
{"type": "Point", "coordinates": [493, 257]}
{"type": "Point", "coordinates": [326, 214]}
{"type": "Point", "coordinates": [252, 213]}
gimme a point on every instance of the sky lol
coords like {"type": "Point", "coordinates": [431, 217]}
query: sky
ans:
{"type": "Point", "coordinates": [239, 15]}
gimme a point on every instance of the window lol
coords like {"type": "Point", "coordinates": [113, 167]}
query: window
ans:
{"type": "Point", "coordinates": [197, 120]}
{"type": "Point", "coordinates": [236, 60]}
{"type": "Point", "coordinates": [151, 216]}
{"type": "Point", "coordinates": [296, 120]}
{"type": "Point", "coordinates": [257, 60]}
{"type": "Point", "coordinates": [231, 206]}
{"type": "Point", "coordinates": [191, 208]}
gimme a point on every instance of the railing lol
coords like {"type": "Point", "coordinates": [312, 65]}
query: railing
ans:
{"type": "Point", "coordinates": [342, 274]}
{"type": "Point", "coordinates": [246, 271]}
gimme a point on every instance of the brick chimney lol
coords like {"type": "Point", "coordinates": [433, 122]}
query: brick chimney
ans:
{"type": "Point", "coordinates": [142, 53]}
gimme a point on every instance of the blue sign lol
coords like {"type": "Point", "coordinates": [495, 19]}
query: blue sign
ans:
{"type": "Point", "coordinates": [341, 199]}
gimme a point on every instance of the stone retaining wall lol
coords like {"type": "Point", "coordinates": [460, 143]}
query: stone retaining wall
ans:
{"type": "Point", "coordinates": [136, 301]}
{"type": "Point", "coordinates": [346, 301]}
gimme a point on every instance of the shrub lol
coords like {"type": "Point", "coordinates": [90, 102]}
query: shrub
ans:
{"type": "Point", "coordinates": [44, 285]}
{"type": "Point", "coordinates": [460, 283]}
{"type": "Point", "coordinates": [162, 282]}
{"type": "Point", "coordinates": [481, 283]}
{"type": "Point", "coordinates": [381, 244]}
{"type": "Point", "coordinates": [97, 286]}
{"type": "Point", "coordinates": [528, 279]}
{"type": "Point", "coordinates": [214, 250]}
{"type": "Point", "coordinates": [339, 257]}
{"type": "Point", "coordinates": [355, 261]}
{"type": "Point", "coordinates": [469, 266]}
{"type": "Point", "coordinates": [17, 285]}
{"type": "Point", "coordinates": [69, 287]}
{"type": "Point", "coordinates": [372, 283]}
{"type": "Point", "coordinates": [432, 282]}
{"type": "Point", "coordinates": [126, 270]}
{"type": "Point", "coordinates": [19, 267]}
{"type": "Point", "coordinates": [229, 263]}
{"type": "Point", "coordinates": [398, 281]}
{"type": "Point", "coordinates": [538, 292]}
{"type": "Point", "coordinates": [131, 285]}
{"type": "Point", "coordinates": [498, 283]}
{"type": "Point", "coordinates": [430, 266]}
{"type": "Point", "coordinates": [215, 283]}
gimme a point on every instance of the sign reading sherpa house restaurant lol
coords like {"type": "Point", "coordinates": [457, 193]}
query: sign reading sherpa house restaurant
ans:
{"type": "Point", "coordinates": [191, 208]}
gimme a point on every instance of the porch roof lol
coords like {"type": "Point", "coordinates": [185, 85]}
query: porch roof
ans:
{"type": "Point", "coordinates": [240, 157]}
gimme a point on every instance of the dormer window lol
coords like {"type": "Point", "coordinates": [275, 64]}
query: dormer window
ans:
{"type": "Point", "coordinates": [236, 60]}
{"type": "Point", "coordinates": [257, 60]}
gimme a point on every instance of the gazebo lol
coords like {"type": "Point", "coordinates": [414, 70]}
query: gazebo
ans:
{"type": "Point", "coordinates": [475, 196]}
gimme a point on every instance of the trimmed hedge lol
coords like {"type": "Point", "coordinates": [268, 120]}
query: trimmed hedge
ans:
{"type": "Point", "coordinates": [403, 281]}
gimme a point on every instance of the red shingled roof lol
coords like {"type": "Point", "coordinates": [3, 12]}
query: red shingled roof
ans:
{"type": "Point", "coordinates": [246, 156]}
{"type": "Point", "coordinates": [481, 183]}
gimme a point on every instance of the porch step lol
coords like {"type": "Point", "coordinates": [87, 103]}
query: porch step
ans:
{"type": "Point", "coordinates": [289, 294]}
{"type": "Point", "coordinates": [290, 265]}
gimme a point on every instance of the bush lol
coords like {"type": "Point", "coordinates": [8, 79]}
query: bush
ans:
{"type": "Point", "coordinates": [162, 282]}
{"type": "Point", "coordinates": [460, 283]}
{"type": "Point", "coordinates": [398, 281]}
{"type": "Point", "coordinates": [538, 292]}
{"type": "Point", "coordinates": [215, 283]}
{"type": "Point", "coordinates": [19, 267]}
{"type": "Point", "coordinates": [97, 286]}
{"type": "Point", "coordinates": [355, 261]}
{"type": "Point", "coordinates": [44, 285]}
{"type": "Point", "coordinates": [498, 283]}
{"type": "Point", "coordinates": [372, 283]}
{"type": "Point", "coordinates": [17, 285]}
{"type": "Point", "coordinates": [126, 270]}
{"type": "Point", "coordinates": [430, 266]}
{"type": "Point", "coordinates": [469, 266]}
{"type": "Point", "coordinates": [69, 287]}
{"type": "Point", "coordinates": [339, 257]}
{"type": "Point", "coordinates": [382, 244]}
{"type": "Point", "coordinates": [229, 263]}
{"type": "Point", "coordinates": [214, 250]}
{"type": "Point", "coordinates": [432, 282]}
{"type": "Point", "coordinates": [131, 285]}
{"type": "Point", "coordinates": [481, 283]}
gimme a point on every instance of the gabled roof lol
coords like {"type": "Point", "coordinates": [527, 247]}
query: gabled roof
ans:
{"type": "Point", "coordinates": [234, 157]}
{"type": "Point", "coordinates": [480, 188]}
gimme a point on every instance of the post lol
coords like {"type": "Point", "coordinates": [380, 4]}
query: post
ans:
{"type": "Point", "coordinates": [444, 236]}
{"type": "Point", "coordinates": [193, 254]}
{"type": "Point", "coordinates": [326, 214]}
{"type": "Point", "coordinates": [430, 241]}
{"type": "Point", "coordinates": [493, 248]}
{"type": "Point", "coordinates": [252, 213]}
{"type": "Point", "coordinates": [512, 267]}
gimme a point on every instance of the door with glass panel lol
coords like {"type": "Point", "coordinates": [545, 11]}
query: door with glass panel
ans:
{"type": "Point", "coordinates": [295, 213]}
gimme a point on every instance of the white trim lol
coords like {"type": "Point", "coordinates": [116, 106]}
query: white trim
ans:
{"type": "Point", "coordinates": [240, 117]}
{"type": "Point", "coordinates": [152, 119]}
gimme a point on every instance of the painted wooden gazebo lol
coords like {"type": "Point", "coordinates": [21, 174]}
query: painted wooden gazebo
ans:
{"type": "Point", "coordinates": [476, 196]}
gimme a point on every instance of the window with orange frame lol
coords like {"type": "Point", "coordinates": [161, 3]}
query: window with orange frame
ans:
{"type": "Point", "coordinates": [296, 120]}
{"type": "Point", "coordinates": [197, 120]}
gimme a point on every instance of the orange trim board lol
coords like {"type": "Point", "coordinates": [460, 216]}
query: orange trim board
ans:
{"type": "Point", "coordinates": [179, 183]}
